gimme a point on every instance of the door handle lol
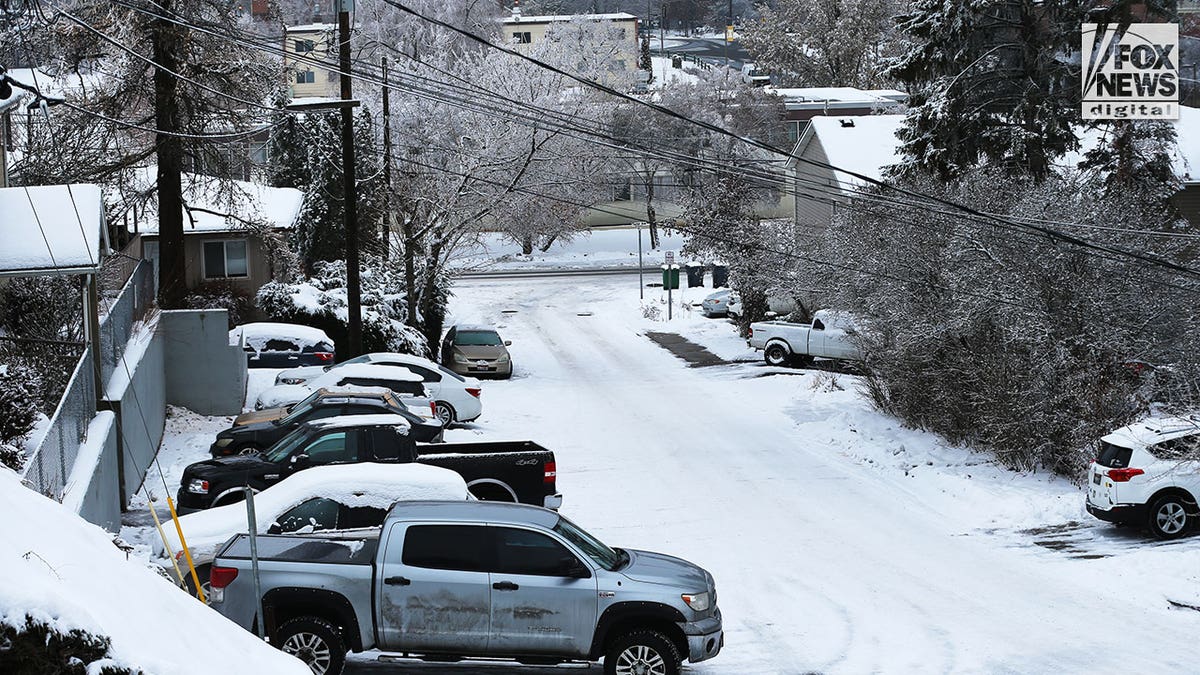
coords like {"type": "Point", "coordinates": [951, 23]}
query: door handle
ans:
{"type": "Point", "coordinates": [397, 581]}
{"type": "Point", "coordinates": [505, 586]}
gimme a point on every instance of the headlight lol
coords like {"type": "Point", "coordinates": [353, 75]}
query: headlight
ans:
{"type": "Point", "coordinates": [293, 380]}
{"type": "Point", "coordinates": [459, 358]}
{"type": "Point", "coordinates": [222, 442]}
{"type": "Point", "coordinates": [697, 601]}
{"type": "Point", "coordinates": [198, 486]}
{"type": "Point", "coordinates": [504, 358]}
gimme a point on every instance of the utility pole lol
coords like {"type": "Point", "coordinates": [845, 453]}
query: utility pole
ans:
{"type": "Point", "coordinates": [388, 215]}
{"type": "Point", "coordinates": [349, 190]}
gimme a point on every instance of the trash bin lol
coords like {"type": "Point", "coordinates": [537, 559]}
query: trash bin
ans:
{"type": "Point", "coordinates": [720, 276]}
{"type": "Point", "coordinates": [670, 277]}
{"type": "Point", "coordinates": [695, 274]}
{"type": "Point", "coordinates": [676, 61]}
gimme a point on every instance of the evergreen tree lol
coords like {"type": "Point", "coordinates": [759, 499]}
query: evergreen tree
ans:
{"type": "Point", "coordinates": [993, 84]}
{"type": "Point", "coordinates": [320, 233]}
{"type": "Point", "coordinates": [644, 61]}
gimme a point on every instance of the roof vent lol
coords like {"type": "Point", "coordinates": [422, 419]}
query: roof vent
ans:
{"type": "Point", "coordinates": [847, 123]}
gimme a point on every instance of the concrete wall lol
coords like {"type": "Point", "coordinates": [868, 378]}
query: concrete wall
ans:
{"type": "Point", "coordinates": [90, 490]}
{"type": "Point", "coordinates": [140, 401]}
{"type": "Point", "coordinates": [204, 373]}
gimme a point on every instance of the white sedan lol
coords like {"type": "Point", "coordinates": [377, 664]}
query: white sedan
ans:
{"type": "Point", "coordinates": [406, 385]}
{"type": "Point", "coordinates": [457, 398]}
{"type": "Point", "coordinates": [338, 500]}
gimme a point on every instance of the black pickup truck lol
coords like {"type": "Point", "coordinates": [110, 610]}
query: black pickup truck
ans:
{"type": "Point", "coordinates": [514, 471]}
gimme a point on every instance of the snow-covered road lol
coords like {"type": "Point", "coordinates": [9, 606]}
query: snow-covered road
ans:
{"type": "Point", "coordinates": [840, 542]}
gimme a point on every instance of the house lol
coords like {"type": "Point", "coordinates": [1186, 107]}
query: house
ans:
{"type": "Point", "coordinates": [867, 145]}
{"type": "Point", "coordinates": [230, 227]}
{"type": "Point", "coordinates": [526, 32]}
{"type": "Point", "coordinates": [305, 48]}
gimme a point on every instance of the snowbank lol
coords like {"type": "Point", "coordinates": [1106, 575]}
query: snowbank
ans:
{"type": "Point", "coordinates": [64, 571]}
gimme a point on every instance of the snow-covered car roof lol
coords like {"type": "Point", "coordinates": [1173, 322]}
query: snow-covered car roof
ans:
{"type": "Point", "coordinates": [365, 371]}
{"type": "Point", "coordinates": [836, 318]}
{"type": "Point", "coordinates": [356, 485]}
{"type": "Point", "coordinates": [341, 421]}
{"type": "Point", "coordinates": [472, 326]}
{"type": "Point", "coordinates": [307, 336]}
{"type": "Point", "coordinates": [1154, 430]}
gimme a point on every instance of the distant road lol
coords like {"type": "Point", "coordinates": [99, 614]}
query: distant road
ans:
{"type": "Point", "coordinates": [711, 50]}
{"type": "Point", "coordinates": [650, 268]}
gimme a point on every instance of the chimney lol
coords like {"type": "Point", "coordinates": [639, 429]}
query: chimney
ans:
{"type": "Point", "coordinates": [516, 10]}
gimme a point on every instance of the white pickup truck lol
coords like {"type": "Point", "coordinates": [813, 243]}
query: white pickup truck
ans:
{"type": "Point", "coordinates": [829, 336]}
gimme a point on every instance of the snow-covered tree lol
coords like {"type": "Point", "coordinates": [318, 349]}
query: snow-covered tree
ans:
{"type": "Point", "coordinates": [824, 43]}
{"type": "Point", "coordinates": [993, 83]}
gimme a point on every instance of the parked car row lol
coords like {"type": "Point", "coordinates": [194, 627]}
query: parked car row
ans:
{"type": "Point", "coordinates": [373, 533]}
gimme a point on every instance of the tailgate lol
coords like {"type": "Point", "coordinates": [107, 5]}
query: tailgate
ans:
{"type": "Point", "coordinates": [1102, 492]}
{"type": "Point", "coordinates": [494, 469]}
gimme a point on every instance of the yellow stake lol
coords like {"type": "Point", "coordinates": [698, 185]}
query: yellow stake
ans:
{"type": "Point", "coordinates": [163, 535]}
{"type": "Point", "coordinates": [187, 553]}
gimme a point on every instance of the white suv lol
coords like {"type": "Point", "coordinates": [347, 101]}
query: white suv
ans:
{"type": "Point", "coordinates": [1149, 473]}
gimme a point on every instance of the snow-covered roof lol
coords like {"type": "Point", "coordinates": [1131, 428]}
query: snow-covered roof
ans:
{"type": "Point", "coordinates": [354, 485]}
{"type": "Point", "coordinates": [12, 101]}
{"type": "Point", "coordinates": [365, 371]}
{"type": "Point", "coordinates": [354, 421]}
{"type": "Point", "coordinates": [1153, 430]}
{"type": "Point", "coordinates": [863, 144]}
{"type": "Point", "coordinates": [66, 572]}
{"type": "Point", "coordinates": [211, 199]}
{"type": "Point", "coordinates": [310, 28]}
{"type": "Point", "coordinates": [262, 331]}
{"type": "Point", "coordinates": [50, 228]}
{"type": "Point", "coordinates": [838, 94]}
{"type": "Point", "coordinates": [554, 18]}
{"type": "Point", "coordinates": [475, 326]}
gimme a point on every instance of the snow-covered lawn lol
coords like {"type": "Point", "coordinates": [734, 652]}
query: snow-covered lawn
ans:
{"type": "Point", "coordinates": [610, 247]}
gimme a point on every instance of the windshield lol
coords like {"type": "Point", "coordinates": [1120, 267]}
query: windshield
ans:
{"type": "Point", "coordinates": [365, 358]}
{"type": "Point", "coordinates": [299, 409]}
{"type": "Point", "coordinates": [477, 338]}
{"type": "Point", "coordinates": [593, 547]}
{"type": "Point", "coordinates": [280, 451]}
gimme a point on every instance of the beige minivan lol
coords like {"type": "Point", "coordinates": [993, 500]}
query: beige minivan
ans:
{"type": "Point", "coordinates": [477, 351]}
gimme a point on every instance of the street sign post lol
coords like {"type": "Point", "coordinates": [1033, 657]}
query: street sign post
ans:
{"type": "Point", "coordinates": [670, 281]}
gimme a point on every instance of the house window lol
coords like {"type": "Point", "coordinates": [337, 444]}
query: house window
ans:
{"type": "Point", "coordinates": [224, 259]}
{"type": "Point", "coordinates": [303, 46]}
{"type": "Point", "coordinates": [522, 38]}
{"type": "Point", "coordinates": [306, 77]}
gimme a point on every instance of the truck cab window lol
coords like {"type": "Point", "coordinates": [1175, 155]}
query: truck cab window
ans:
{"type": "Point", "coordinates": [318, 514]}
{"type": "Point", "coordinates": [445, 547]}
{"type": "Point", "coordinates": [526, 552]}
{"type": "Point", "coordinates": [331, 448]}
{"type": "Point", "coordinates": [817, 325]}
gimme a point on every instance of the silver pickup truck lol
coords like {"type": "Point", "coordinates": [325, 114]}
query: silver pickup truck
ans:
{"type": "Point", "coordinates": [451, 580]}
{"type": "Point", "coordinates": [831, 335]}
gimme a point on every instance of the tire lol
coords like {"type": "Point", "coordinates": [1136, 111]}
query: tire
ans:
{"type": "Point", "coordinates": [1169, 517]}
{"type": "Point", "coordinates": [202, 571]}
{"type": "Point", "coordinates": [235, 497]}
{"type": "Point", "coordinates": [314, 641]}
{"type": "Point", "coordinates": [445, 413]}
{"type": "Point", "coordinates": [776, 355]}
{"type": "Point", "coordinates": [642, 652]}
{"type": "Point", "coordinates": [247, 449]}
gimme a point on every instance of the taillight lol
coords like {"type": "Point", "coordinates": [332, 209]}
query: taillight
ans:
{"type": "Point", "coordinates": [433, 408]}
{"type": "Point", "coordinates": [324, 356]}
{"type": "Point", "coordinates": [475, 391]}
{"type": "Point", "coordinates": [220, 577]}
{"type": "Point", "coordinates": [551, 473]}
{"type": "Point", "coordinates": [1123, 475]}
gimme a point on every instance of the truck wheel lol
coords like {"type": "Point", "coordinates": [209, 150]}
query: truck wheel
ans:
{"type": "Point", "coordinates": [248, 449]}
{"type": "Point", "coordinates": [202, 571]}
{"type": "Point", "coordinates": [314, 641]}
{"type": "Point", "coordinates": [642, 652]}
{"type": "Point", "coordinates": [1169, 516]}
{"type": "Point", "coordinates": [776, 355]}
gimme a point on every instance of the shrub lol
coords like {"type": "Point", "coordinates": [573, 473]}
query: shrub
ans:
{"type": "Point", "coordinates": [222, 295]}
{"type": "Point", "coordinates": [38, 648]}
{"type": "Point", "coordinates": [18, 402]}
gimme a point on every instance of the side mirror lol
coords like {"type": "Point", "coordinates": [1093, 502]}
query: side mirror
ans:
{"type": "Point", "coordinates": [274, 529]}
{"type": "Point", "coordinates": [300, 461]}
{"type": "Point", "coordinates": [508, 343]}
{"type": "Point", "coordinates": [574, 569]}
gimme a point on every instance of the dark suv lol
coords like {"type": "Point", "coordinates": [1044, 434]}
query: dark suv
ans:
{"type": "Point", "coordinates": [259, 430]}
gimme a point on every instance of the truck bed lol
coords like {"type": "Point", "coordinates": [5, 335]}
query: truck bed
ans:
{"type": "Point", "coordinates": [520, 469]}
